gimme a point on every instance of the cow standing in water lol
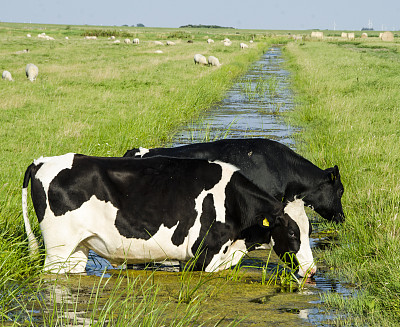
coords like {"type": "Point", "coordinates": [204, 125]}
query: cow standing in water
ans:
{"type": "Point", "coordinates": [136, 211]}
{"type": "Point", "coordinates": [273, 167]}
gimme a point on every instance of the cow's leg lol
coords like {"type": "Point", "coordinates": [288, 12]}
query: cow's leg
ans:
{"type": "Point", "coordinates": [66, 259]}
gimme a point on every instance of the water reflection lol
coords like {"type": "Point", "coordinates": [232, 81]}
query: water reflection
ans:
{"type": "Point", "coordinates": [250, 110]}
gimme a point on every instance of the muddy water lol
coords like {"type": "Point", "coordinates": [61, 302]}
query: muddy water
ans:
{"type": "Point", "coordinates": [250, 109]}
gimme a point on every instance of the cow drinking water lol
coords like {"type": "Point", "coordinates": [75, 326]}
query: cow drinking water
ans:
{"type": "Point", "coordinates": [135, 211]}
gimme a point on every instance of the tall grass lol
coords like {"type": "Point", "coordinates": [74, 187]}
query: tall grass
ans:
{"type": "Point", "coordinates": [349, 111]}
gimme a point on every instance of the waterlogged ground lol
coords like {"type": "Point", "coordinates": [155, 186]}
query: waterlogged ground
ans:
{"type": "Point", "coordinates": [109, 296]}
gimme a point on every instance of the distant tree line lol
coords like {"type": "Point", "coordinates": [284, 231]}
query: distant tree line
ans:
{"type": "Point", "coordinates": [203, 26]}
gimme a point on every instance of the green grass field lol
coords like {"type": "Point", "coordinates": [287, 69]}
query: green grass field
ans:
{"type": "Point", "coordinates": [99, 98]}
{"type": "Point", "coordinates": [349, 107]}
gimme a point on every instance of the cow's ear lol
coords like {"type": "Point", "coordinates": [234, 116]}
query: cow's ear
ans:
{"type": "Point", "coordinates": [333, 173]}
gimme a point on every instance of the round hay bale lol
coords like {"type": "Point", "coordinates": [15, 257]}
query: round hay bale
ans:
{"type": "Point", "coordinates": [387, 36]}
{"type": "Point", "coordinates": [364, 36]}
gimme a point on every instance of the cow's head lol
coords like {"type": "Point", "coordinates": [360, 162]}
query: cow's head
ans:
{"type": "Point", "coordinates": [326, 197]}
{"type": "Point", "coordinates": [290, 237]}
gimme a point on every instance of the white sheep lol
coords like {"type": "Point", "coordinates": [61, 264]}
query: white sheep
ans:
{"type": "Point", "coordinates": [31, 72]}
{"type": "Point", "coordinates": [227, 43]}
{"type": "Point", "coordinates": [117, 42]}
{"type": "Point", "coordinates": [135, 41]}
{"type": "Point", "coordinates": [127, 41]}
{"type": "Point", "coordinates": [170, 43]}
{"type": "Point", "coordinates": [200, 59]}
{"type": "Point", "coordinates": [213, 61]}
{"type": "Point", "coordinates": [22, 51]}
{"type": "Point", "coordinates": [158, 43]}
{"type": "Point", "coordinates": [90, 37]}
{"type": "Point", "coordinates": [158, 51]}
{"type": "Point", "coordinates": [7, 76]}
{"type": "Point", "coordinates": [28, 35]}
{"type": "Point", "coordinates": [243, 46]}
{"type": "Point", "coordinates": [67, 38]}
{"type": "Point", "coordinates": [112, 37]}
{"type": "Point", "coordinates": [209, 41]}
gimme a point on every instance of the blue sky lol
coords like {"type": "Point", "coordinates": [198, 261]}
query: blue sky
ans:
{"type": "Point", "coordinates": [244, 14]}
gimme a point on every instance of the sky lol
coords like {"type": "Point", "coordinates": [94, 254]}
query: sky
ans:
{"type": "Point", "coordinates": [242, 14]}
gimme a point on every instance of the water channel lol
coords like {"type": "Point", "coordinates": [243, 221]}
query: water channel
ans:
{"type": "Point", "coordinates": [249, 110]}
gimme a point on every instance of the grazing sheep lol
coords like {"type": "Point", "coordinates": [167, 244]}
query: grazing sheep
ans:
{"type": "Point", "coordinates": [243, 46]}
{"type": "Point", "coordinates": [112, 37]}
{"type": "Point", "coordinates": [28, 35]}
{"type": "Point", "coordinates": [135, 41]}
{"type": "Point", "coordinates": [227, 43]}
{"type": "Point", "coordinates": [117, 42]}
{"type": "Point", "coordinates": [22, 51]}
{"type": "Point", "coordinates": [7, 76]}
{"type": "Point", "coordinates": [67, 38]}
{"type": "Point", "coordinates": [209, 41]}
{"type": "Point", "coordinates": [90, 37]}
{"type": "Point", "coordinates": [158, 51]}
{"type": "Point", "coordinates": [213, 61]}
{"type": "Point", "coordinates": [158, 43]}
{"type": "Point", "coordinates": [170, 43]}
{"type": "Point", "coordinates": [31, 72]}
{"type": "Point", "coordinates": [200, 59]}
{"type": "Point", "coordinates": [127, 41]}
{"type": "Point", "coordinates": [251, 41]}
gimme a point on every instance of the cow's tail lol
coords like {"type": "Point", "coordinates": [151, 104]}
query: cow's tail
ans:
{"type": "Point", "coordinates": [33, 244]}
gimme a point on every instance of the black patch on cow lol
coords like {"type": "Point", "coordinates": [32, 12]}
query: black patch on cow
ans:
{"type": "Point", "coordinates": [38, 198]}
{"type": "Point", "coordinates": [213, 234]}
{"type": "Point", "coordinates": [148, 193]}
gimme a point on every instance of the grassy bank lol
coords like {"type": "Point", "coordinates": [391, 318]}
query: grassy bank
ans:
{"type": "Point", "coordinates": [98, 98]}
{"type": "Point", "coordinates": [349, 108]}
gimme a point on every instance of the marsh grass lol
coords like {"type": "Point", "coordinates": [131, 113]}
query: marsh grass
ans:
{"type": "Point", "coordinates": [349, 113]}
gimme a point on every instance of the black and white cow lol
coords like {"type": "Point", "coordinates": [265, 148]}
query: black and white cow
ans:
{"type": "Point", "coordinates": [273, 167]}
{"type": "Point", "coordinates": [135, 211]}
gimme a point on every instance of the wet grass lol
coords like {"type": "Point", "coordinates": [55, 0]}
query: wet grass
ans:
{"type": "Point", "coordinates": [348, 109]}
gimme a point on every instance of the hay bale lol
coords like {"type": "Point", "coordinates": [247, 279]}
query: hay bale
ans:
{"type": "Point", "coordinates": [344, 35]}
{"type": "Point", "coordinates": [351, 36]}
{"type": "Point", "coordinates": [364, 36]}
{"type": "Point", "coordinates": [387, 36]}
{"type": "Point", "coordinates": [317, 35]}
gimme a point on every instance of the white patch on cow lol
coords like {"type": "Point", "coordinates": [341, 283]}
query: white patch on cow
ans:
{"type": "Point", "coordinates": [51, 167]}
{"type": "Point", "coordinates": [142, 152]}
{"type": "Point", "coordinates": [33, 244]}
{"type": "Point", "coordinates": [219, 189]}
{"type": "Point", "coordinates": [92, 226]}
{"type": "Point", "coordinates": [228, 256]}
{"type": "Point", "coordinates": [295, 210]}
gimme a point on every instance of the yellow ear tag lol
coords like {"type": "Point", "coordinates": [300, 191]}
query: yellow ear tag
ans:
{"type": "Point", "coordinates": [265, 222]}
